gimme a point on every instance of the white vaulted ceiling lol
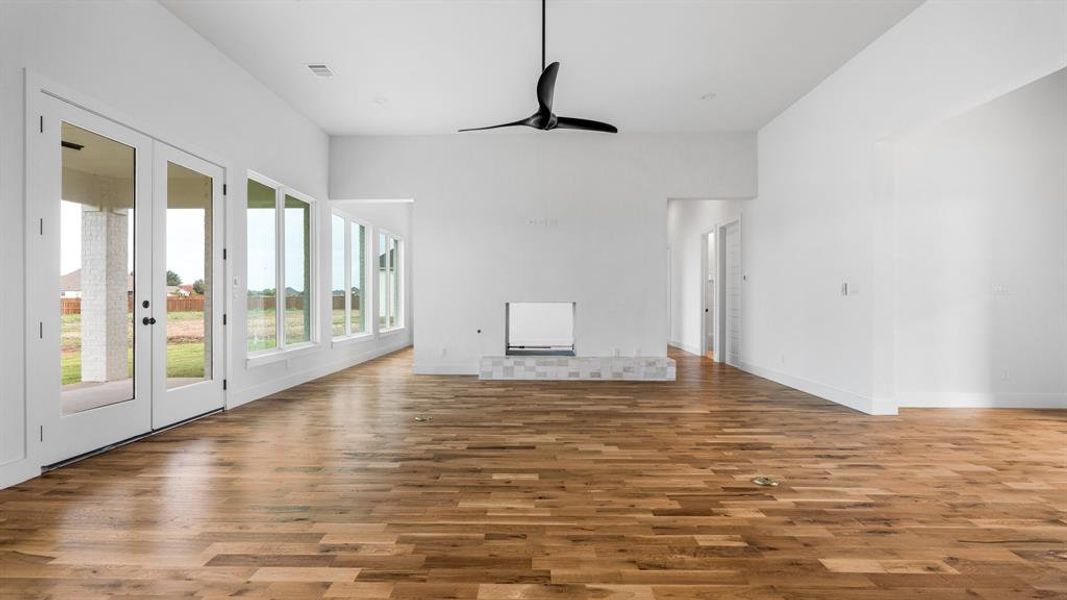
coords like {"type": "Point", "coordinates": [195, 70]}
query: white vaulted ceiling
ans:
{"type": "Point", "coordinates": [432, 66]}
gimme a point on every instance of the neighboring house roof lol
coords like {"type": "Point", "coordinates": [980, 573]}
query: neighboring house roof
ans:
{"type": "Point", "coordinates": [72, 282]}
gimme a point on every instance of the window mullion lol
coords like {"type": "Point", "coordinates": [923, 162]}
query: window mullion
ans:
{"type": "Point", "coordinates": [348, 277]}
{"type": "Point", "coordinates": [279, 315]}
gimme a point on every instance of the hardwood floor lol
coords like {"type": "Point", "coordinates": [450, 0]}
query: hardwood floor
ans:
{"type": "Point", "coordinates": [554, 490]}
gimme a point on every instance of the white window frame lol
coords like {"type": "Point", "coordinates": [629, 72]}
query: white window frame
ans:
{"type": "Point", "coordinates": [349, 221]}
{"type": "Point", "coordinates": [401, 248]}
{"type": "Point", "coordinates": [284, 350]}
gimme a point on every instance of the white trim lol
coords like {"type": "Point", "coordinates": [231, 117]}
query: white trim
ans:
{"type": "Point", "coordinates": [721, 349]}
{"type": "Point", "coordinates": [65, 436]}
{"type": "Point", "coordinates": [981, 400]}
{"type": "Point", "coordinates": [346, 340]}
{"type": "Point", "coordinates": [281, 343]}
{"type": "Point", "coordinates": [266, 357]}
{"type": "Point", "coordinates": [255, 392]}
{"type": "Point", "coordinates": [349, 221]}
{"type": "Point", "coordinates": [401, 288]}
{"type": "Point", "coordinates": [36, 82]}
{"type": "Point", "coordinates": [18, 470]}
{"type": "Point", "coordinates": [845, 398]}
{"type": "Point", "coordinates": [704, 272]}
{"type": "Point", "coordinates": [172, 405]}
{"type": "Point", "coordinates": [685, 347]}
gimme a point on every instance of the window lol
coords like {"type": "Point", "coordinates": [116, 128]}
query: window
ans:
{"type": "Point", "coordinates": [280, 304]}
{"type": "Point", "coordinates": [389, 288]}
{"type": "Point", "coordinates": [338, 285]}
{"type": "Point", "coordinates": [349, 243]}
{"type": "Point", "coordinates": [262, 267]}
{"type": "Point", "coordinates": [358, 285]}
{"type": "Point", "coordinates": [297, 292]}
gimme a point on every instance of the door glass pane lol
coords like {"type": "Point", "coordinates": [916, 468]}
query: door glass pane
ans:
{"type": "Point", "coordinates": [262, 279]}
{"type": "Point", "coordinates": [297, 271]}
{"type": "Point", "coordinates": [337, 268]}
{"type": "Point", "coordinates": [359, 275]}
{"type": "Point", "coordinates": [96, 270]}
{"type": "Point", "coordinates": [188, 264]}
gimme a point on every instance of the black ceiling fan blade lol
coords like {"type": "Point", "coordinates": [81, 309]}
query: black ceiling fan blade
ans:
{"type": "Point", "coordinates": [584, 125]}
{"type": "Point", "coordinates": [546, 87]}
{"type": "Point", "coordinates": [521, 122]}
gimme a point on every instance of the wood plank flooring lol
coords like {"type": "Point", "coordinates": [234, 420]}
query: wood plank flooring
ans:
{"type": "Point", "coordinates": [553, 490]}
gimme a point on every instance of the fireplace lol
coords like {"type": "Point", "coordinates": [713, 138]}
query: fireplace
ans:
{"type": "Point", "coordinates": [539, 328]}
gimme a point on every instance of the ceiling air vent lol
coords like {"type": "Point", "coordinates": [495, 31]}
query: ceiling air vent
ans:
{"type": "Point", "coordinates": [320, 70]}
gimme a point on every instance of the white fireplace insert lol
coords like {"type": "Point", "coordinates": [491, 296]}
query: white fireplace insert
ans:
{"type": "Point", "coordinates": [539, 328]}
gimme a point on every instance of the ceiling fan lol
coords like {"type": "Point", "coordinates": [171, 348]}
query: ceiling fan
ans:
{"type": "Point", "coordinates": [544, 119]}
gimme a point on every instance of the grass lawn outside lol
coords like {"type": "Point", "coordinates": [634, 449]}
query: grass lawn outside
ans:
{"type": "Point", "coordinates": [185, 349]}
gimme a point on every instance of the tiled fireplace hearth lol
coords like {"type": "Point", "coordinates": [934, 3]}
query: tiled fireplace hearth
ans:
{"type": "Point", "coordinates": [633, 368]}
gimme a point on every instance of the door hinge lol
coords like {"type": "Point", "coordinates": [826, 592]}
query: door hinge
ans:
{"type": "Point", "coordinates": [42, 433]}
{"type": "Point", "coordinates": [40, 329]}
{"type": "Point", "coordinates": [223, 318]}
{"type": "Point", "coordinates": [42, 123]}
{"type": "Point", "coordinates": [225, 189]}
{"type": "Point", "coordinates": [41, 226]}
{"type": "Point", "coordinates": [223, 254]}
{"type": "Point", "coordinates": [224, 384]}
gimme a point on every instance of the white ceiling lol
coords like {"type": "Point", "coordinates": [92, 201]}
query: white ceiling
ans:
{"type": "Point", "coordinates": [432, 66]}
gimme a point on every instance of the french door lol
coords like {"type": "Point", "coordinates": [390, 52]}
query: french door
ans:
{"type": "Point", "coordinates": [124, 260]}
{"type": "Point", "coordinates": [187, 343]}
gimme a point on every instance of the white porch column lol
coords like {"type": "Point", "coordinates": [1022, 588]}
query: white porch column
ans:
{"type": "Point", "coordinates": [104, 318]}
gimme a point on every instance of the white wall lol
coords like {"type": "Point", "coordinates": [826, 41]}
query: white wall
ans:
{"type": "Point", "coordinates": [825, 211]}
{"type": "Point", "coordinates": [981, 242]}
{"type": "Point", "coordinates": [563, 216]}
{"type": "Point", "coordinates": [687, 222]}
{"type": "Point", "coordinates": [146, 68]}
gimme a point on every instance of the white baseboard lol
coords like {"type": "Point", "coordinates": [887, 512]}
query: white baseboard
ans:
{"type": "Point", "coordinates": [249, 394]}
{"type": "Point", "coordinates": [981, 400]}
{"type": "Point", "coordinates": [17, 471]}
{"type": "Point", "coordinates": [685, 347]}
{"type": "Point", "coordinates": [827, 392]}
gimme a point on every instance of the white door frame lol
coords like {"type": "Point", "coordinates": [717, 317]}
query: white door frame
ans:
{"type": "Point", "coordinates": [705, 270]}
{"type": "Point", "coordinates": [59, 436]}
{"type": "Point", "coordinates": [720, 296]}
{"type": "Point", "coordinates": [38, 91]}
{"type": "Point", "coordinates": [171, 406]}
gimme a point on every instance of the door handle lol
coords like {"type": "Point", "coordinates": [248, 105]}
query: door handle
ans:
{"type": "Point", "coordinates": [148, 321]}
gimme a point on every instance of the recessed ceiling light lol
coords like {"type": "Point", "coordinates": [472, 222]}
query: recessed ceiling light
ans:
{"type": "Point", "coordinates": [320, 69]}
{"type": "Point", "coordinates": [708, 96]}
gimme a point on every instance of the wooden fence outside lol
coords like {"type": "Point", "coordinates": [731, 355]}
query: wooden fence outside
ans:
{"type": "Point", "coordinates": [73, 306]}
